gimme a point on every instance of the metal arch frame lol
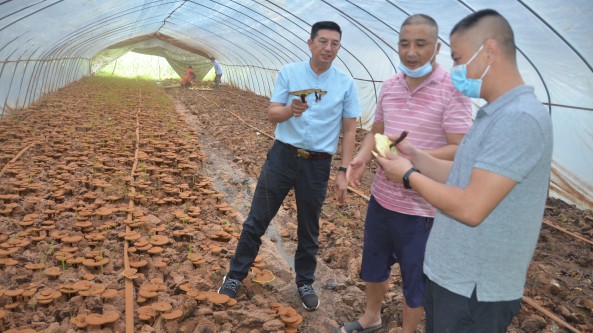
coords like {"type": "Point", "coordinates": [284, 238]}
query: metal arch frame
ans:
{"type": "Point", "coordinates": [60, 48]}
{"type": "Point", "coordinates": [170, 14]}
{"type": "Point", "coordinates": [63, 44]}
{"type": "Point", "coordinates": [569, 44]}
{"type": "Point", "coordinates": [77, 49]}
{"type": "Point", "coordinates": [377, 36]}
{"type": "Point", "coordinates": [262, 43]}
{"type": "Point", "coordinates": [280, 35]}
{"type": "Point", "coordinates": [2, 71]}
{"type": "Point", "coordinates": [21, 18]}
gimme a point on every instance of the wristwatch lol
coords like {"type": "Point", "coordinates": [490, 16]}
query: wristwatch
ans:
{"type": "Point", "coordinates": [406, 178]}
{"type": "Point", "coordinates": [343, 169]}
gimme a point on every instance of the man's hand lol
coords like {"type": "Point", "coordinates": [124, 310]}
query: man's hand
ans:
{"type": "Point", "coordinates": [355, 171]}
{"type": "Point", "coordinates": [340, 186]}
{"type": "Point", "coordinates": [298, 107]}
{"type": "Point", "coordinates": [396, 165]}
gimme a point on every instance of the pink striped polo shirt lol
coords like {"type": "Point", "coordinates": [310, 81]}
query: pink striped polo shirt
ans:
{"type": "Point", "coordinates": [433, 109]}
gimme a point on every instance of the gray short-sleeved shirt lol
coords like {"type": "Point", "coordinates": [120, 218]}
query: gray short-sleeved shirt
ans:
{"type": "Point", "coordinates": [511, 137]}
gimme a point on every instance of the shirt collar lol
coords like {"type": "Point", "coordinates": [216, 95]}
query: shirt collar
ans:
{"type": "Point", "coordinates": [505, 98]}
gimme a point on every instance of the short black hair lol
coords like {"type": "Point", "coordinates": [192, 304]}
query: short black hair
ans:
{"type": "Point", "coordinates": [471, 20]}
{"type": "Point", "coordinates": [325, 25]}
{"type": "Point", "coordinates": [502, 31]}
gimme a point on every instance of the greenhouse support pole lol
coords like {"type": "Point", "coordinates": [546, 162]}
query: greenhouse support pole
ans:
{"type": "Point", "coordinates": [114, 65]}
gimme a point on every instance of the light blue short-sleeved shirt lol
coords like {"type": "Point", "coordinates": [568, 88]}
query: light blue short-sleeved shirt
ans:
{"type": "Point", "coordinates": [511, 137]}
{"type": "Point", "coordinates": [318, 128]}
{"type": "Point", "coordinates": [217, 67]}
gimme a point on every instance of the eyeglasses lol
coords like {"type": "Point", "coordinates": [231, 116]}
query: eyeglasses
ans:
{"type": "Point", "coordinates": [324, 43]}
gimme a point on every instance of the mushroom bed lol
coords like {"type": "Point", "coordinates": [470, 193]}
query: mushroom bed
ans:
{"type": "Point", "coordinates": [114, 189]}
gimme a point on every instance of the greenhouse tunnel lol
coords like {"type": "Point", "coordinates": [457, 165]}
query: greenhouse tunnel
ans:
{"type": "Point", "coordinates": [47, 44]}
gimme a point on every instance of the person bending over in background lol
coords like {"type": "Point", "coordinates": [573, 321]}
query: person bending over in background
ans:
{"type": "Point", "coordinates": [188, 78]}
{"type": "Point", "coordinates": [491, 198]}
{"type": "Point", "coordinates": [307, 135]}
{"type": "Point", "coordinates": [217, 72]}
{"type": "Point", "coordinates": [421, 100]}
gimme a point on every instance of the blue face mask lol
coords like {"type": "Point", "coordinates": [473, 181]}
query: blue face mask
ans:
{"type": "Point", "coordinates": [468, 87]}
{"type": "Point", "coordinates": [420, 71]}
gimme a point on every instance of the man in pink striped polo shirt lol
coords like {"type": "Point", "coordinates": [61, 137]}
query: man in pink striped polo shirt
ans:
{"type": "Point", "coordinates": [421, 100]}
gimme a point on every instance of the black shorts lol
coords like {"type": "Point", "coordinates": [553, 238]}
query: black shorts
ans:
{"type": "Point", "coordinates": [391, 237]}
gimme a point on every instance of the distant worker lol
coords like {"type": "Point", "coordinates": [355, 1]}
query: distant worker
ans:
{"type": "Point", "coordinates": [217, 71]}
{"type": "Point", "coordinates": [188, 78]}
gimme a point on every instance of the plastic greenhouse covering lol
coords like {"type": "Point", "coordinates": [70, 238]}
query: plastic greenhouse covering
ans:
{"type": "Point", "coordinates": [48, 44]}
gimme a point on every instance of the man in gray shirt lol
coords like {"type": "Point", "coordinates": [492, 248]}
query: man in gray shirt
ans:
{"type": "Point", "coordinates": [491, 198]}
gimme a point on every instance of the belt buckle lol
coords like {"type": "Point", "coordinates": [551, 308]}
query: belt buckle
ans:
{"type": "Point", "coordinates": [303, 153]}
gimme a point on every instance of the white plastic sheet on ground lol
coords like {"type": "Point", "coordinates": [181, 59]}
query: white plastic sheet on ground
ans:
{"type": "Point", "coordinates": [47, 44]}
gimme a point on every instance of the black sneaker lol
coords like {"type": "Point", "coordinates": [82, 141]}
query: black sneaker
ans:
{"type": "Point", "coordinates": [308, 296]}
{"type": "Point", "coordinates": [229, 287]}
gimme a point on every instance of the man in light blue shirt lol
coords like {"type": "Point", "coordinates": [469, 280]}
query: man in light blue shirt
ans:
{"type": "Point", "coordinates": [306, 137]}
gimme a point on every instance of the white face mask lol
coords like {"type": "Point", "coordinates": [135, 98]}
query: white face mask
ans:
{"type": "Point", "coordinates": [420, 71]}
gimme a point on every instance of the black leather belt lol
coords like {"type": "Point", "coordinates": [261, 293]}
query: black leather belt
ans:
{"type": "Point", "coordinates": [308, 155]}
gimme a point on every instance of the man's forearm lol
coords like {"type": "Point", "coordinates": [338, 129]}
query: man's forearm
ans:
{"type": "Point", "coordinates": [431, 166]}
{"type": "Point", "coordinates": [348, 148]}
{"type": "Point", "coordinates": [446, 152]}
{"type": "Point", "coordinates": [279, 113]}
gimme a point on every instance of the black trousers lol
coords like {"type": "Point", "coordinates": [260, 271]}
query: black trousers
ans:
{"type": "Point", "coordinates": [450, 312]}
{"type": "Point", "coordinates": [282, 171]}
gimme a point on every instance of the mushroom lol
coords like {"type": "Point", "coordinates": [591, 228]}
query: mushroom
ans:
{"type": "Point", "coordinates": [303, 93]}
{"type": "Point", "coordinates": [79, 321]}
{"type": "Point", "coordinates": [146, 312]}
{"type": "Point", "coordinates": [34, 267]}
{"type": "Point", "coordinates": [95, 289]}
{"type": "Point", "coordinates": [130, 273]}
{"type": "Point", "coordinates": [155, 250]}
{"type": "Point", "coordinates": [161, 306]}
{"type": "Point", "coordinates": [8, 262]}
{"type": "Point", "coordinates": [172, 315]}
{"type": "Point", "coordinates": [216, 298]}
{"type": "Point", "coordinates": [47, 295]}
{"type": "Point", "coordinates": [159, 240]}
{"type": "Point", "coordinates": [264, 276]}
{"type": "Point", "coordinates": [72, 239]}
{"type": "Point", "coordinates": [95, 319]}
{"type": "Point", "coordinates": [52, 272]}
{"type": "Point", "coordinates": [89, 276]}
{"type": "Point", "coordinates": [109, 293]}
{"type": "Point", "coordinates": [160, 264]}
{"type": "Point", "coordinates": [138, 264]}
{"type": "Point", "coordinates": [148, 291]}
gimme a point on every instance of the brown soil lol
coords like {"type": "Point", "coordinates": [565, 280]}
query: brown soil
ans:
{"type": "Point", "coordinates": [86, 132]}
